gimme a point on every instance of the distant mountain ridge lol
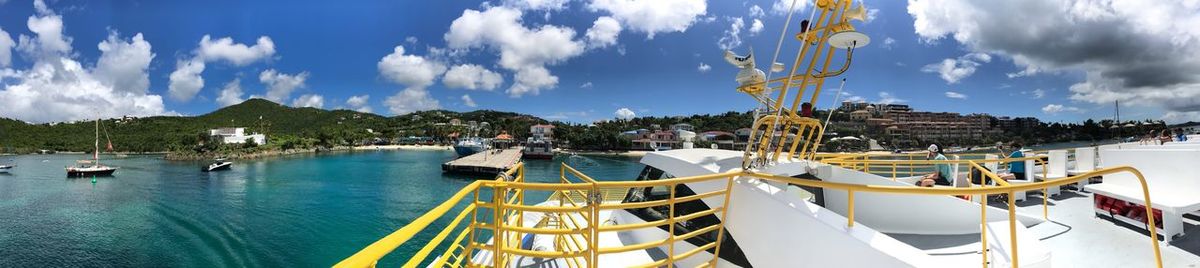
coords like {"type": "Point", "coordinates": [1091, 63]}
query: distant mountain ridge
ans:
{"type": "Point", "coordinates": [165, 133]}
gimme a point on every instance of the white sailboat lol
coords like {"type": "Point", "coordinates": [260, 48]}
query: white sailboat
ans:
{"type": "Point", "coordinates": [84, 168]}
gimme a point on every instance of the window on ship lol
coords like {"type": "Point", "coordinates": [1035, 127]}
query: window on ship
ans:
{"type": "Point", "coordinates": [729, 249]}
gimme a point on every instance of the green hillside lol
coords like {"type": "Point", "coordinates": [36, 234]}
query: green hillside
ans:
{"type": "Point", "coordinates": [280, 123]}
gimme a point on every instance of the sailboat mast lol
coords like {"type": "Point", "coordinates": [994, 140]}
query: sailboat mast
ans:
{"type": "Point", "coordinates": [96, 153]}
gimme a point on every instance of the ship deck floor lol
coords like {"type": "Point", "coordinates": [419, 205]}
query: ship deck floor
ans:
{"type": "Point", "coordinates": [1076, 237]}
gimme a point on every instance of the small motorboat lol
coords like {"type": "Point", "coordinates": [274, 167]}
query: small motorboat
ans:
{"type": "Point", "coordinates": [6, 168]}
{"type": "Point", "coordinates": [218, 164]}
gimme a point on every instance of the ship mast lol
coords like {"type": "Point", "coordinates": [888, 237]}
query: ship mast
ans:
{"type": "Point", "coordinates": [96, 152]}
{"type": "Point", "coordinates": [828, 28]}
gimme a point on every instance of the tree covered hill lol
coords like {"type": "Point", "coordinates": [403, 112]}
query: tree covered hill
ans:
{"type": "Point", "coordinates": [279, 122]}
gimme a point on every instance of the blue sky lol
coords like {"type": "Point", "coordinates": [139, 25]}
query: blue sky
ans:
{"type": "Point", "coordinates": [569, 60]}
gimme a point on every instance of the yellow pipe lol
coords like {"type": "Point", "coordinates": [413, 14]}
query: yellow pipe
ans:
{"type": "Point", "coordinates": [424, 252]}
{"type": "Point", "coordinates": [1012, 228]}
{"type": "Point", "coordinates": [372, 253]}
{"type": "Point", "coordinates": [850, 209]}
{"type": "Point", "coordinates": [671, 227]}
{"type": "Point", "coordinates": [498, 232]}
{"type": "Point", "coordinates": [983, 228]}
{"type": "Point", "coordinates": [721, 224]}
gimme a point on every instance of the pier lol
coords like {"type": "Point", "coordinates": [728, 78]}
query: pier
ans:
{"type": "Point", "coordinates": [489, 162]}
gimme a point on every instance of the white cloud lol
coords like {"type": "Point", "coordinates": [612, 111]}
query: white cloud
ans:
{"type": "Point", "coordinates": [224, 49]}
{"type": "Point", "coordinates": [359, 103]}
{"type": "Point", "coordinates": [466, 99]}
{"type": "Point", "coordinates": [124, 65]}
{"type": "Point", "coordinates": [731, 38]}
{"type": "Point", "coordinates": [48, 29]}
{"type": "Point", "coordinates": [888, 43]}
{"type": "Point", "coordinates": [6, 45]}
{"type": "Point", "coordinates": [551, 5]}
{"type": "Point", "coordinates": [472, 77]}
{"type": "Point", "coordinates": [603, 32]}
{"type": "Point", "coordinates": [185, 80]}
{"type": "Point", "coordinates": [703, 68]}
{"type": "Point", "coordinates": [756, 12]}
{"type": "Point", "coordinates": [58, 88]}
{"type": "Point", "coordinates": [231, 94]}
{"type": "Point", "coordinates": [409, 70]}
{"type": "Point", "coordinates": [855, 99]}
{"type": "Point", "coordinates": [1038, 93]}
{"type": "Point", "coordinates": [1140, 54]}
{"type": "Point", "coordinates": [522, 50]}
{"type": "Point", "coordinates": [411, 40]}
{"type": "Point", "coordinates": [954, 70]}
{"type": "Point", "coordinates": [780, 7]}
{"type": "Point", "coordinates": [887, 98]}
{"type": "Point", "coordinates": [1174, 117]}
{"type": "Point", "coordinates": [531, 81]}
{"type": "Point", "coordinates": [756, 27]}
{"type": "Point", "coordinates": [280, 85]}
{"type": "Point", "coordinates": [653, 17]}
{"type": "Point", "coordinates": [956, 95]}
{"type": "Point", "coordinates": [871, 14]}
{"type": "Point", "coordinates": [586, 85]}
{"type": "Point", "coordinates": [309, 100]}
{"type": "Point", "coordinates": [1057, 108]}
{"type": "Point", "coordinates": [411, 100]}
{"type": "Point", "coordinates": [624, 114]}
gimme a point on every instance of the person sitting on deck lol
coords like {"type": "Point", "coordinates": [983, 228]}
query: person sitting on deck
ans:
{"type": "Point", "coordinates": [1165, 137]}
{"type": "Point", "coordinates": [941, 171]}
{"type": "Point", "coordinates": [1179, 136]}
{"type": "Point", "coordinates": [1149, 138]}
{"type": "Point", "coordinates": [806, 110]}
{"type": "Point", "coordinates": [1016, 169]}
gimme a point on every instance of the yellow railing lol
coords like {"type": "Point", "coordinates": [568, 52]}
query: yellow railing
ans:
{"type": "Point", "coordinates": [577, 226]}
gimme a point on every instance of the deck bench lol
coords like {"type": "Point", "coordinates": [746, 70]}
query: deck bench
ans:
{"type": "Point", "coordinates": [1170, 177]}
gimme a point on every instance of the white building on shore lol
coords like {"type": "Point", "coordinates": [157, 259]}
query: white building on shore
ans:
{"type": "Point", "coordinates": [237, 135]}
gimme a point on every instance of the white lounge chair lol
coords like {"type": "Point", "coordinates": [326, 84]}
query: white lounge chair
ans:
{"type": "Point", "coordinates": [1056, 168]}
{"type": "Point", "coordinates": [1020, 195]}
{"type": "Point", "coordinates": [1085, 161]}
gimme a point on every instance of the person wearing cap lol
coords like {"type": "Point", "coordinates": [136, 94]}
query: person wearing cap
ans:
{"type": "Point", "coordinates": [941, 171]}
{"type": "Point", "coordinates": [1016, 169]}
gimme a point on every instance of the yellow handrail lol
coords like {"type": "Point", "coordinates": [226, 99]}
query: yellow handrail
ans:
{"type": "Point", "coordinates": [368, 256]}
{"type": "Point", "coordinates": [372, 253]}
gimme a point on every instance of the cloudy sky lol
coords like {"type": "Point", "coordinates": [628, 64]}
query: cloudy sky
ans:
{"type": "Point", "coordinates": [583, 60]}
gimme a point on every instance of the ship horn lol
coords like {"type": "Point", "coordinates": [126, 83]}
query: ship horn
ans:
{"type": "Point", "coordinates": [857, 13]}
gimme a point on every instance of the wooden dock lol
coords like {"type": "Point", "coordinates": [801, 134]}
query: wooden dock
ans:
{"type": "Point", "coordinates": [490, 162]}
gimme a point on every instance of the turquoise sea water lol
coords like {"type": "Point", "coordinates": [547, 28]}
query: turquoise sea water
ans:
{"type": "Point", "coordinates": [298, 211]}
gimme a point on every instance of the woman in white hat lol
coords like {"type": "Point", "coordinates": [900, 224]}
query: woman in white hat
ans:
{"type": "Point", "coordinates": [941, 171]}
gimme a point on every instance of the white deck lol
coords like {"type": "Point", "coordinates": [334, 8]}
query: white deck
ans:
{"type": "Point", "coordinates": [1074, 235]}
{"type": "Point", "coordinates": [1076, 238]}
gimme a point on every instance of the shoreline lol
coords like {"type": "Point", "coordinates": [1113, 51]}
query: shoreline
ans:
{"type": "Point", "coordinates": [602, 153]}
{"type": "Point", "coordinates": [291, 152]}
{"type": "Point", "coordinates": [404, 147]}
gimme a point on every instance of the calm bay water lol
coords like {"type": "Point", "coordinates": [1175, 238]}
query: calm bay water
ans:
{"type": "Point", "coordinates": [299, 211]}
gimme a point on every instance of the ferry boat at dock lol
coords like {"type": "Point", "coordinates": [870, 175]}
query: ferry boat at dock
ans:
{"type": "Point", "coordinates": [780, 203]}
{"type": "Point", "coordinates": [538, 149]}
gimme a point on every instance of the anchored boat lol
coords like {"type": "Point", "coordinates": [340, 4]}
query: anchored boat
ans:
{"type": "Point", "coordinates": [217, 165]}
{"type": "Point", "coordinates": [86, 168]}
